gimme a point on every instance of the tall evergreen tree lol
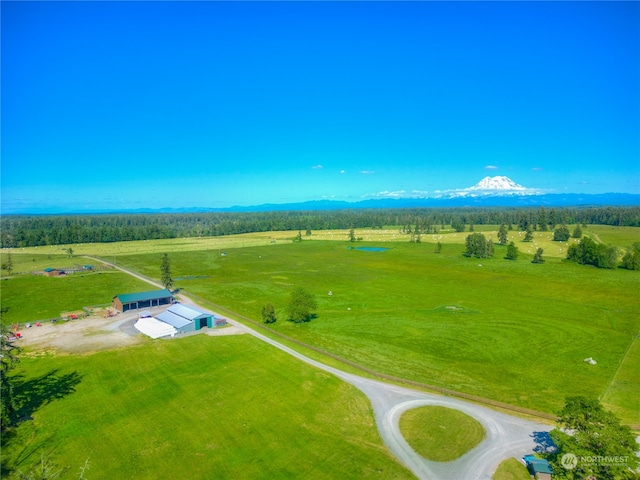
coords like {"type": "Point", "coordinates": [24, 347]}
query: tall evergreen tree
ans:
{"type": "Point", "coordinates": [528, 236]}
{"type": "Point", "coordinates": [502, 234]}
{"type": "Point", "coordinates": [542, 220]}
{"type": "Point", "coordinates": [9, 357]}
{"type": "Point", "coordinates": [8, 264]}
{"type": "Point", "coordinates": [537, 257]}
{"type": "Point", "coordinates": [165, 272]}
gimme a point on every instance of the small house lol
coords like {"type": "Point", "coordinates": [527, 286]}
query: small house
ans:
{"type": "Point", "coordinates": [53, 272]}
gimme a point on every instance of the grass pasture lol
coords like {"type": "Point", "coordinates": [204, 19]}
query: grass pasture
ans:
{"type": "Point", "coordinates": [30, 298]}
{"type": "Point", "coordinates": [511, 331]}
{"type": "Point", "coordinates": [201, 407]}
{"type": "Point", "coordinates": [55, 256]}
{"type": "Point", "coordinates": [440, 434]}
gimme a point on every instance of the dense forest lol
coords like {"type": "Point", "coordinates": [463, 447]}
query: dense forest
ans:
{"type": "Point", "coordinates": [37, 230]}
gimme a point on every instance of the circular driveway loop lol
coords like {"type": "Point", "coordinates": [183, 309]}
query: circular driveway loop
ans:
{"type": "Point", "coordinates": [505, 436]}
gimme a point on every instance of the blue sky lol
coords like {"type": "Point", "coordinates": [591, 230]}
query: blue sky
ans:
{"type": "Point", "coordinates": [118, 105]}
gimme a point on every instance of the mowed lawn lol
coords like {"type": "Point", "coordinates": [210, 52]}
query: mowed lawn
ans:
{"type": "Point", "coordinates": [198, 407]}
{"type": "Point", "coordinates": [507, 330]}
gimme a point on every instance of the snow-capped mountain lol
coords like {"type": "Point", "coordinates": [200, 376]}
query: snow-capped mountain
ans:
{"type": "Point", "coordinates": [497, 183]}
{"type": "Point", "coordinates": [492, 186]}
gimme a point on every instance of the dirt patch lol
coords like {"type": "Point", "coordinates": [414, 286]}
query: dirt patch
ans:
{"type": "Point", "coordinates": [80, 336]}
{"type": "Point", "coordinates": [95, 333]}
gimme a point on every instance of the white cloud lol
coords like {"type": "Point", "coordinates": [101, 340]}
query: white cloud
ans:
{"type": "Point", "coordinates": [342, 172]}
{"type": "Point", "coordinates": [398, 194]}
{"type": "Point", "coordinates": [537, 169]}
{"type": "Point", "coordinates": [317, 167]}
{"type": "Point", "coordinates": [367, 172]}
{"type": "Point", "coordinates": [491, 167]}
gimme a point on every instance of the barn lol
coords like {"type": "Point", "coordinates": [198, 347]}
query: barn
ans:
{"type": "Point", "coordinates": [187, 318]}
{"type": "Point", "coordinates": [134, 301]}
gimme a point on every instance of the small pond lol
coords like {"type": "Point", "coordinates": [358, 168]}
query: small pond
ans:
{"type": "Point", "coordinates": [370, 249]}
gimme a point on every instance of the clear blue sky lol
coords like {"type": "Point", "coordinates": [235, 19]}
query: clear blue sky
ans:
{"type": "Point", "coordinates": [212, 104]}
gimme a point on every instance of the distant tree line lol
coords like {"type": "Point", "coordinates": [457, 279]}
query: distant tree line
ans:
{"type": "Point", "coordinates": [38, 230]}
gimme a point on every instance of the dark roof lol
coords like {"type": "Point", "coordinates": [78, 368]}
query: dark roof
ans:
{"type": "Point", "coordinates": [142, 296]}
{"type": "Point", "coordinates": [540, 466]}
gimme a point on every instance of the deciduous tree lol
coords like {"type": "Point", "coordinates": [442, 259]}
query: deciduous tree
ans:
{"type": "Point", "coordinates": [269, 313]}
{"type": "Point", "coordinates": [561, 234]}
{"type": "Point", "coordinates": [631, 259]}
{"type": "Point", "coordinates": [301, 305]}
{"type": "Point", "coordinates": [477, 246]}
{"type": "Point", "coordinates": [512, 252]}
{"type": "Point", "coordinates": [603, 448]}
{"type": "Point", "coordinates": [577, 232]}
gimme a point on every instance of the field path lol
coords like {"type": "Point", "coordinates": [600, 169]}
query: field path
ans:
{"type": "Point", "coordinates": [506, 436]}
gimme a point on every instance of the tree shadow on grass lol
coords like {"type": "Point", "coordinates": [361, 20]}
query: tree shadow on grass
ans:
{"type": "Point", "coordinates": [31, 395]}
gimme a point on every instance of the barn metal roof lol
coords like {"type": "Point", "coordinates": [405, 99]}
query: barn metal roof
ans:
{"type": "Point", "coordinates": [181, 315]}
{"type": "Point", "coordinates": [142, 296]}
{"type": "Point", "coordinates": [172, 319]}
{"type": "Point", "coordinates": [188, 312]}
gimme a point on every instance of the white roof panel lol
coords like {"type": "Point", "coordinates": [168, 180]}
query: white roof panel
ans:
{"type": "Point", "coordinates": [153, 328]}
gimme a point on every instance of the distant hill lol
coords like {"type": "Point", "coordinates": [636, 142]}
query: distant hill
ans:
{"type": "Point", "coordinates": [548, 200]}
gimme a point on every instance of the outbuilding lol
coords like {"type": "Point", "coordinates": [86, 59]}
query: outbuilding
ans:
{"type": "Point", "coordinates": [539, 468]}
{"type": "Point", "coordinates": [134, 301]}
{"type": "Point", "coordinates": [186, 318]}
{"type": "Point", "coordinates": [53, 272]}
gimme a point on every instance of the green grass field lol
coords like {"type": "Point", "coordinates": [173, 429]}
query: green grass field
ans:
{"type": "Point", "coordinates": [199, 407]}
{"type": "Point", "coordinates": [511, 331]}
{"type": "Point", "coordinates": [511, 469]}
{"type": "Point", "coordinates": [24, 258]}
{"type": "Point", "coordinates": [440, 434]}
